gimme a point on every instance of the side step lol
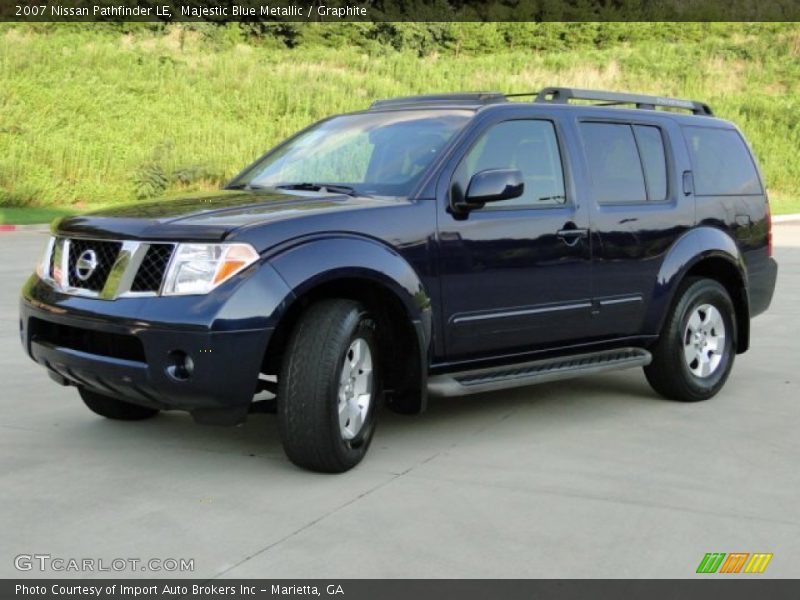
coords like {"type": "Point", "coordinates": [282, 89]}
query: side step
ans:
{"type": "Point", "coordinates": [540, 371]}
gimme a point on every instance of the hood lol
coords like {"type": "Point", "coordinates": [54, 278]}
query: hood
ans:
{"type": "Point", "coordinates": [209, 216]}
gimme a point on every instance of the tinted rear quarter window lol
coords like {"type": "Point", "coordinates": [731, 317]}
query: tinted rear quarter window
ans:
{"type": "Point", "coordinates": [722, 163]}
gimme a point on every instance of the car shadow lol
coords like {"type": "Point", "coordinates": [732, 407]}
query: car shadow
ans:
{"type": "Point", "coordinates": [544, 405]}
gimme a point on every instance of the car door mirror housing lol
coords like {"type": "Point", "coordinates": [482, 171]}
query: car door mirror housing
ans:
{"type": "Point", "coordinates": [493, 185]}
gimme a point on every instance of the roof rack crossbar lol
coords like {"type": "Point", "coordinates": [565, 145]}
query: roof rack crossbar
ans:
{"type": "Point", "coordinates": [561, 95]}
{"type": "Point", "coordinates": [433, 99]}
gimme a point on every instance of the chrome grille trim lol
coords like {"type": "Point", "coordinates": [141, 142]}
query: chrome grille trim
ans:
{"type": "Point", "coordinates": [63, 260]}
{"type": "Point", "coordinates": [47, 261]}
{"type": "Point", "coordinates": [124, 270]}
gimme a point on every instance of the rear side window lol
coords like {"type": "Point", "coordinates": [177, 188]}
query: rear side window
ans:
{"type": "Point", "coordinates": [722, 163]}
{"type": "Point", "coordinates": [627, 163]}
{"type": "Point", "coordinates": [613, 163]}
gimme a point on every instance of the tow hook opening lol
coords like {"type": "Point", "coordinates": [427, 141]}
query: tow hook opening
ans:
{"type": "Point", "coordinates": [181, 365]}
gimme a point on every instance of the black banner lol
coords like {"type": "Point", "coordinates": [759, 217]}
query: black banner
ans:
{"type": "Point", "coordinates": [393, 589]}
{"type": "Point", "coordinates": [397, 10]}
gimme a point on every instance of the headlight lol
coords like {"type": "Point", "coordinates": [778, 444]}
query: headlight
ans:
{"type": "Point", "coordinates": [199, 268]}
{"type": "Point", "coordinates": [43, 266]}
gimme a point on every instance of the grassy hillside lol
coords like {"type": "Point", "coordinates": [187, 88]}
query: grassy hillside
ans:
{"type": "Point", "coordinates": [96, 116]}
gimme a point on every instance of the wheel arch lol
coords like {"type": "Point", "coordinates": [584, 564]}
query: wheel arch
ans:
{"type": "Point", "coordinates": [385, 283]}
{"type": "Point", "coordinates": [703, 252]}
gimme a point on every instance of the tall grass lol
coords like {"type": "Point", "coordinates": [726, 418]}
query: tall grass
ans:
{"type": "Point", "coordinates": [91, 118]}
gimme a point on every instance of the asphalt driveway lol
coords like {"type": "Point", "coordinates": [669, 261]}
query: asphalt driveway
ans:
{"type": "Point", "coordinates": [595, 477]}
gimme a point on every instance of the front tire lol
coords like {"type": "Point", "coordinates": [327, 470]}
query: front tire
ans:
{"type": "Point", "coordinates": [111, 408]}
{"type": "Point", "coordinates": [329, 387]}
{"type": "Point", "coordinates": [694, 355]}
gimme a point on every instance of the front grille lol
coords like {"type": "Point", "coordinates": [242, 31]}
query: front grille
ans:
{"type": "Point", "coordinates": [151, 271]}
{"type": "Point", "coordinates": [105, 252]}
{"type": "Point", "coordinates": [114, 345]}
{"type": "Point", "coordinates": [107, 269]}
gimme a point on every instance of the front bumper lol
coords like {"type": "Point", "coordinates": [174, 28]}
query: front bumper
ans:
{"type": "Point", "coordinates": [128, 348]}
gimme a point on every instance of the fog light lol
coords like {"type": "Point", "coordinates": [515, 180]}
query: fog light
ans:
{"type": "Point", "coordinates": [181, 365]}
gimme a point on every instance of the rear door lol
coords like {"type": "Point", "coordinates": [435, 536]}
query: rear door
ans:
{"type": "Point", "coordinates": [515, 275]}
{"type": "Point", "coordinates": [632, 181]}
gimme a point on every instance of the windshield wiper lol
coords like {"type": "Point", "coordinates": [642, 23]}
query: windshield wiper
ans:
{"type": "Point", "coordinates": [246, 186]}
{"type": "Point", "coordinates": [316, 187]}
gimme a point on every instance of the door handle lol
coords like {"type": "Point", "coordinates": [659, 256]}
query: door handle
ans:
{"type": "Point", "coordinates": [688, 183]}
{"type": "Point", "coordinates": [572, 236]}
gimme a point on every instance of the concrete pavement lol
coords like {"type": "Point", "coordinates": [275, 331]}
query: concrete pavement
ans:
{"type": "Point", "coordinates": [594, 477]}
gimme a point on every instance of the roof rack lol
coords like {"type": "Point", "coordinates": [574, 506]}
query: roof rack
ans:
{"type": "Point", "coordinates": [554, 95]}
{"type": "Point", "coordinates": [562, 95]}
{"type": "Point", "coordinates": [463, 98]}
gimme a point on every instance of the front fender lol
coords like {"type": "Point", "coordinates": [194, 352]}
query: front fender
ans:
{"type": "Point", "coordinates": [317, 260]}
{"type": "Point", "coordinates": [691, 248]}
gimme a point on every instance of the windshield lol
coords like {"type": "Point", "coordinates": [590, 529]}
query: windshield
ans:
{"type": "Point", "coordinates": [375, 154]}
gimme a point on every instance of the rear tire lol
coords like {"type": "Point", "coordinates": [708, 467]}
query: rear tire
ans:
{"type": "Point", "coordinates": [111, 408]}
{"type": "Point", "coordinates": [694, 355]}
{"type": "Point", "coordinates": [329, 387]}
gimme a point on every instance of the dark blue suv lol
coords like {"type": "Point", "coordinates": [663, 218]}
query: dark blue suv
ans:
{"type": "Point", "coordinates": [447, 244]}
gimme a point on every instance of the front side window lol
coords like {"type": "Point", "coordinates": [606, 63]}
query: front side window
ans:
{"type": "Point", "coordinates": [529, 146]}
{"type": "Point", "coordinates": [375, 153]}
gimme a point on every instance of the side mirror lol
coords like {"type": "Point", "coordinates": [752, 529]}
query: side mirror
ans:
{"type": "Point", "coordinates": [493, 185]}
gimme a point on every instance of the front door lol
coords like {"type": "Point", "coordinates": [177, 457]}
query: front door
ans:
{"type": "Point", "coordinates": [515, 274]}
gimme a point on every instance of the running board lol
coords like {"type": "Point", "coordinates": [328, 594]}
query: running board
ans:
{"type": "Point", "coordinates": [540, 371]}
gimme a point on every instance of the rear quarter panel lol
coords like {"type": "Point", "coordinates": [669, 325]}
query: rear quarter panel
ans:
{"type": "Point", "coordinates": [745, 219]}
